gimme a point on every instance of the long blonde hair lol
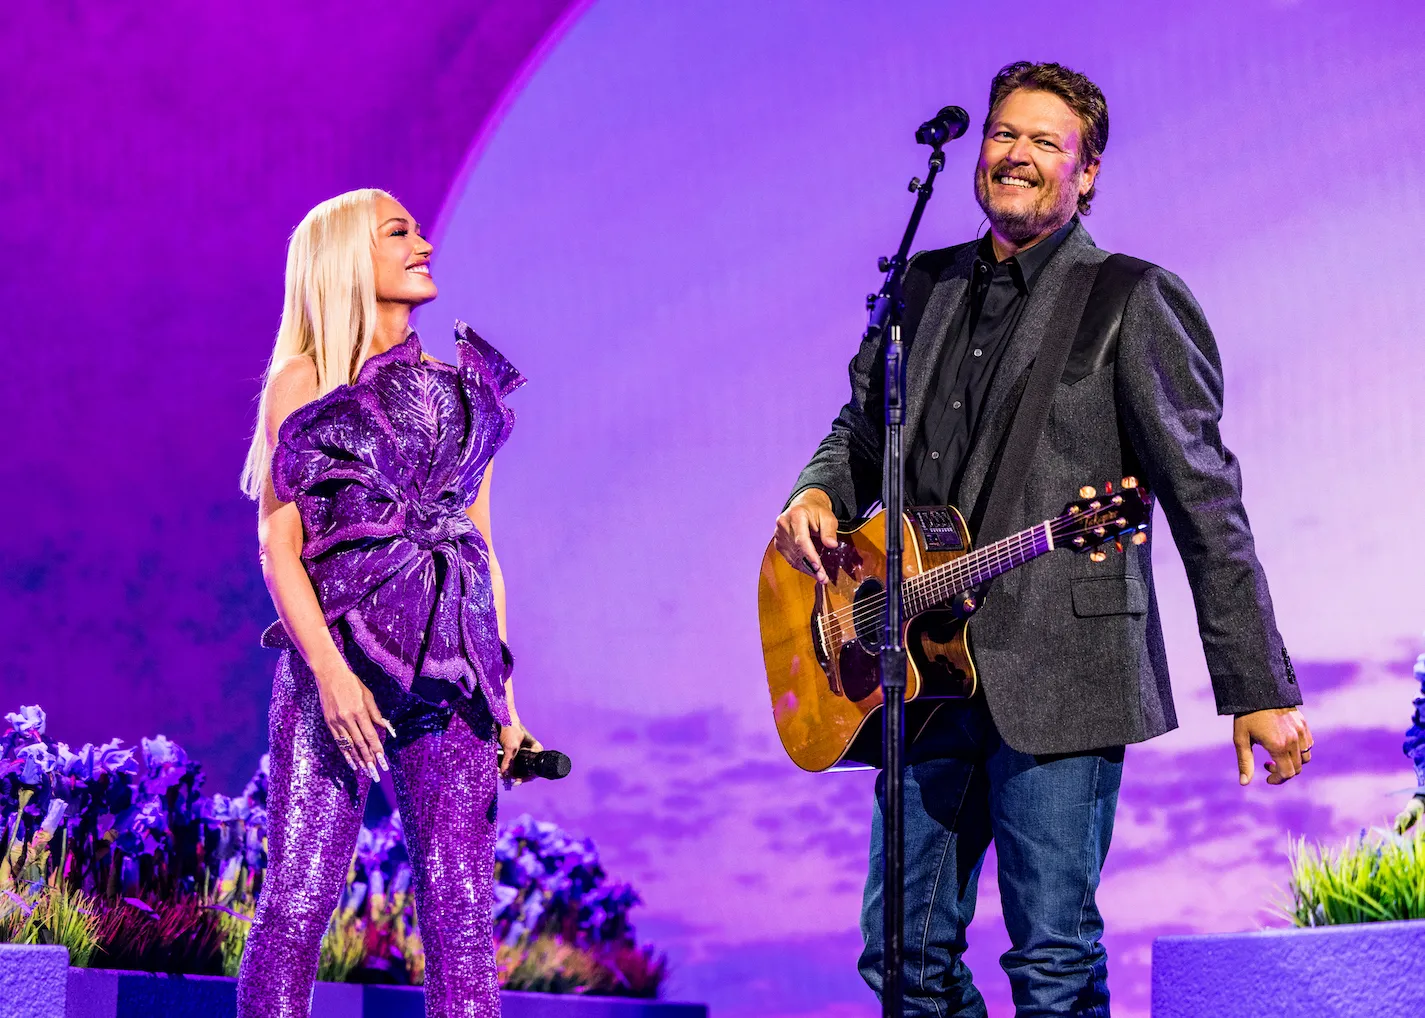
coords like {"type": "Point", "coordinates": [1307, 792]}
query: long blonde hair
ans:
{"type": "Point", "coordinates": [329, 310]}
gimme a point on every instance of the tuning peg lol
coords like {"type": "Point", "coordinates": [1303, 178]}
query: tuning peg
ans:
{"type": "Point", "coordinates": [1122, 521]}
{"type": "Point", "coordinates": [1139, 538]}
{"type": "Point", "coordinates": [1129, 482]}
{"type": "Point", "coordinates": [1098, 556]}
{"type": "Point", "coordinates": [1088, 491]}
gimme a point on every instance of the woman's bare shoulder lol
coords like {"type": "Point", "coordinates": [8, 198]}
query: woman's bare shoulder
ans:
{"type": "Point", "coordinates": [292, 385]}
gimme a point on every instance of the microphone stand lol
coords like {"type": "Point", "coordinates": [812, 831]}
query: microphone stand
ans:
{"type": "Point", "coordinates": [886, 309]}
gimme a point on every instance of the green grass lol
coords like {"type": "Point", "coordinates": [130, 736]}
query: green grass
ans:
{"type": "Point", "coordinates": [51, 915]}
{"type": "Point", "coordinates": [343, 947]}
{"type": "Point", "coordinates": [1375, 877]}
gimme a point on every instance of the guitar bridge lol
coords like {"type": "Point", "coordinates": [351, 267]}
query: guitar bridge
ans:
{"type": "Point", "coordinates": [937, 527]}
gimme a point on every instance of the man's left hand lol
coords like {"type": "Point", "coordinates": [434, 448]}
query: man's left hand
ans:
{"type": "Point", "coordinates": [1282, 732]}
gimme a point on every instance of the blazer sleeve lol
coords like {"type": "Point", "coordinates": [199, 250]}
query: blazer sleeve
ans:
{"type": "Point", "coordinates": [1169, 392]}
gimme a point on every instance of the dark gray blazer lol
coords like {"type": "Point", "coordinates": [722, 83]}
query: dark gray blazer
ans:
{"type": "Point", "coordinates": [1070, 652]}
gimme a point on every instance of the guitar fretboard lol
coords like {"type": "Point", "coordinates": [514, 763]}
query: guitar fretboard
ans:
{"type": "Point", "coordinates": [938, 585]}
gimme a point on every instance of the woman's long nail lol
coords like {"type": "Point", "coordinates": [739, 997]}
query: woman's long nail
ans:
{"type": "Point", "coordinates": [375, 774]}
{"type": "Point", "coordinates": [389, 727]}
{"type": "Point", "coordinates": [349, 761]}
{"type": "Point", "coordinates": [381, 758]}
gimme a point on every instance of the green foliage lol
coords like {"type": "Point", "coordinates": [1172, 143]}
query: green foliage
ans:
{"type": "Point", "coordinates": [112, 853]}
{"type": "Point", "coordinates": [180, 935]}
{"type": "Point", "coordinates": [51, 915]}
{"type": "Point", "coordinates": [235, 920]}
{"type": "Point", "coordinates": [343, 946]}
{"type": "Point", "coordinates": [549, 964]}
{"type": "Point", "coordinates": [1376, 877]}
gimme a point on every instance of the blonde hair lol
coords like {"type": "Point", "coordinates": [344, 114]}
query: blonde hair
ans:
{"type": "Point", "coordinates": [329, 310]}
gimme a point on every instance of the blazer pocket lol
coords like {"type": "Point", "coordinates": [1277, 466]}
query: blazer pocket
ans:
{"type": "Point", "coordinates": [1108, 595]}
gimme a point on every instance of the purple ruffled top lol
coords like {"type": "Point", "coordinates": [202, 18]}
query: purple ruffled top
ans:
{"type": "Point", "coordinates": [382, 471]}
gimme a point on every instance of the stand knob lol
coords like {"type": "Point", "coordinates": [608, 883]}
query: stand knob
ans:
{"type": "Point", "coordinates": [914, 185]}
{"type": "Point", "coordinates": [883, 263]}
{"type": "Point", "coordinates": [871, 301]}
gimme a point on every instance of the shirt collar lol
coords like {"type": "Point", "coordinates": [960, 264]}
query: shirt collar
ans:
{"type": "Point", "coordinates": [1025, 266]}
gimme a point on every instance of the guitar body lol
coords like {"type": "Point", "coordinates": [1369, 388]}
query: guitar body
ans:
{"type": "Point", "coordinates": [821, 643]}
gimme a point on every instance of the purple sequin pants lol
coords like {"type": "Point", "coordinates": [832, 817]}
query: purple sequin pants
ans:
{"type": "Point", "coordinates": [446, 789]}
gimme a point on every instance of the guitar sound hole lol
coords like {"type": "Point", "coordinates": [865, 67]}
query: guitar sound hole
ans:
{"type": "Point", "coordinates": [868, 612]}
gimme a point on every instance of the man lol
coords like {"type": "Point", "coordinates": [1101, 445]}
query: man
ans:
{"type": "Point", "coordinates": [1070, 651]}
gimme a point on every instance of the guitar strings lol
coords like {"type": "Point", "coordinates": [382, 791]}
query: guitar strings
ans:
{"type": "Point", "coordinates": [962, 573]}
{"type": "Point", "coordinates": [944, 579]}
{"type": "Point", "coordinates": [951, 576]}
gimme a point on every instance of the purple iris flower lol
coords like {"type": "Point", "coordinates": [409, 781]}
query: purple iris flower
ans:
{"type": "Point", "coordinates": [137, 826]}
{"type": "Point", "coordinates": [111, 758]}
{"type": "Point", "coordinates": [223, 809]}
{"type": "Point", "coordinates": [38, 761]}
{"type": "Point", "coordinates": [505, 896]}
{"type": "Point", "coordinates": [256, 790]}
{"type": "Point", "coordinates": [165, 763]}
{"type": "Point", "coordinates": [55, 814]}
{"type": "Point", "coordinates": [28, 720]}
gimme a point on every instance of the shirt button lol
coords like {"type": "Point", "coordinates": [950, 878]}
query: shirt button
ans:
{"type": "Point", "coordinates": [956, 404]}
{"type": "Point", "coordinates": [935, 455]}
{"type": "Point", "coordinates": [979, 353]}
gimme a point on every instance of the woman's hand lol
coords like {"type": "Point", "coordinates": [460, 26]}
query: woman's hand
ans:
{"type": "Point", "coordinates": [353, 718]}
{"type": "Point", "coordinates": [513, 738]}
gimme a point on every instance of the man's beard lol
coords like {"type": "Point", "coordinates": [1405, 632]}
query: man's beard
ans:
{"type": "Point", "coordinates": [1052, 209]}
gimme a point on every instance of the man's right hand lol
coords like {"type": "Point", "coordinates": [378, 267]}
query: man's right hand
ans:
{"type": "Point", "coordinates": [807, 526]}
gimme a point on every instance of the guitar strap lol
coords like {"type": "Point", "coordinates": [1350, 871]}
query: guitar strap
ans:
{"type": "Point", "coordinates": [1061, 358]}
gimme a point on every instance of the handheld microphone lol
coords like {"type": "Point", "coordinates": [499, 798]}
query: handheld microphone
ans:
{"type": "Point", "coordinates": [548, 763]}
{"type": "Point", "coordinates": [947, 125]}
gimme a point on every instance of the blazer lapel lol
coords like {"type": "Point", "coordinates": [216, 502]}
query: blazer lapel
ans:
{"type": "Point", "coordinates": [947, 298]}
{"type": "Point", "coordinates": [1038, 318]}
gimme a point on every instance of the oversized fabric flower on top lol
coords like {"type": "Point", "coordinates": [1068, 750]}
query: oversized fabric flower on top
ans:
{"type": "Point", "coordinates": [382, 471]}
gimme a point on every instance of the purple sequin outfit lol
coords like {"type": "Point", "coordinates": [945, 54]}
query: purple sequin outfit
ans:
{"type": "Point", "coordinates": [382, 471]}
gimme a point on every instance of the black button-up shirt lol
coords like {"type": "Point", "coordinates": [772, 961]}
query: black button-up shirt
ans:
{"type": "Point", "coordinates": [997, 295]}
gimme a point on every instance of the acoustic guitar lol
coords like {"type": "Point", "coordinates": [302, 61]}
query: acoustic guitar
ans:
{"type": "Point", "coordinates": [820, 641]}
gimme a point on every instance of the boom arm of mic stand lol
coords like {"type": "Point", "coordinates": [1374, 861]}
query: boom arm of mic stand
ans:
{"type": "Point", "coordinates": [886, 309]}
{"type": "Point", "coordinates": [886, 304]}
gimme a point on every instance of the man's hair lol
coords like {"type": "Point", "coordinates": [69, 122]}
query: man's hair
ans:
{"type": "Point", "coordinates": [1079, 93]}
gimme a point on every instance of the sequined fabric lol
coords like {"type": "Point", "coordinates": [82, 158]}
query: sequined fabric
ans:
{"type": "Point", "coordinates": [382, 471]}
{"type": "Point", "coordinates": [446, 790]}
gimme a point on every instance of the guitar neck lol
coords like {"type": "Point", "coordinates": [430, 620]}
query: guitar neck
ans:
{"type": "Point", "coordinates": [936, 586]}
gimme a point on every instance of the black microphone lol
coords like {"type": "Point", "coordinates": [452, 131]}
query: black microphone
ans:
{"type": "Point", "coordinates": [548, 763]}
{"type": "Point", "coordinates": [947, 125]}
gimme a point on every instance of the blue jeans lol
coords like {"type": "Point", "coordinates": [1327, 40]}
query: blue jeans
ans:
{"type": "Point", "coordinates": [1050, 819]}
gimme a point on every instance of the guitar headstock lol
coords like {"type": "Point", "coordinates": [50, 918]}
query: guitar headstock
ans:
{"type": "Point", "coordinates": [1098, 518]}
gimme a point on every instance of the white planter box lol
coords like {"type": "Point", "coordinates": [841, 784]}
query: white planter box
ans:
{"type": "Point", "coordinates": [1370, 970]}
{"type": "Point", "coordinates": [105, 993]}
{"type": "Point", "coordinates": [32, 980]}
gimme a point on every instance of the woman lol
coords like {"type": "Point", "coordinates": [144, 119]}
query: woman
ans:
{"type": "Point", "coordinates": [371, 466]}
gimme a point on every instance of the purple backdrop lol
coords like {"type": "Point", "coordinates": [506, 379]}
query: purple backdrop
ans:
{"type": "Point", "coordinates": [669, 233]}
{"type": "Point", "coordinates": [155, 159]}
